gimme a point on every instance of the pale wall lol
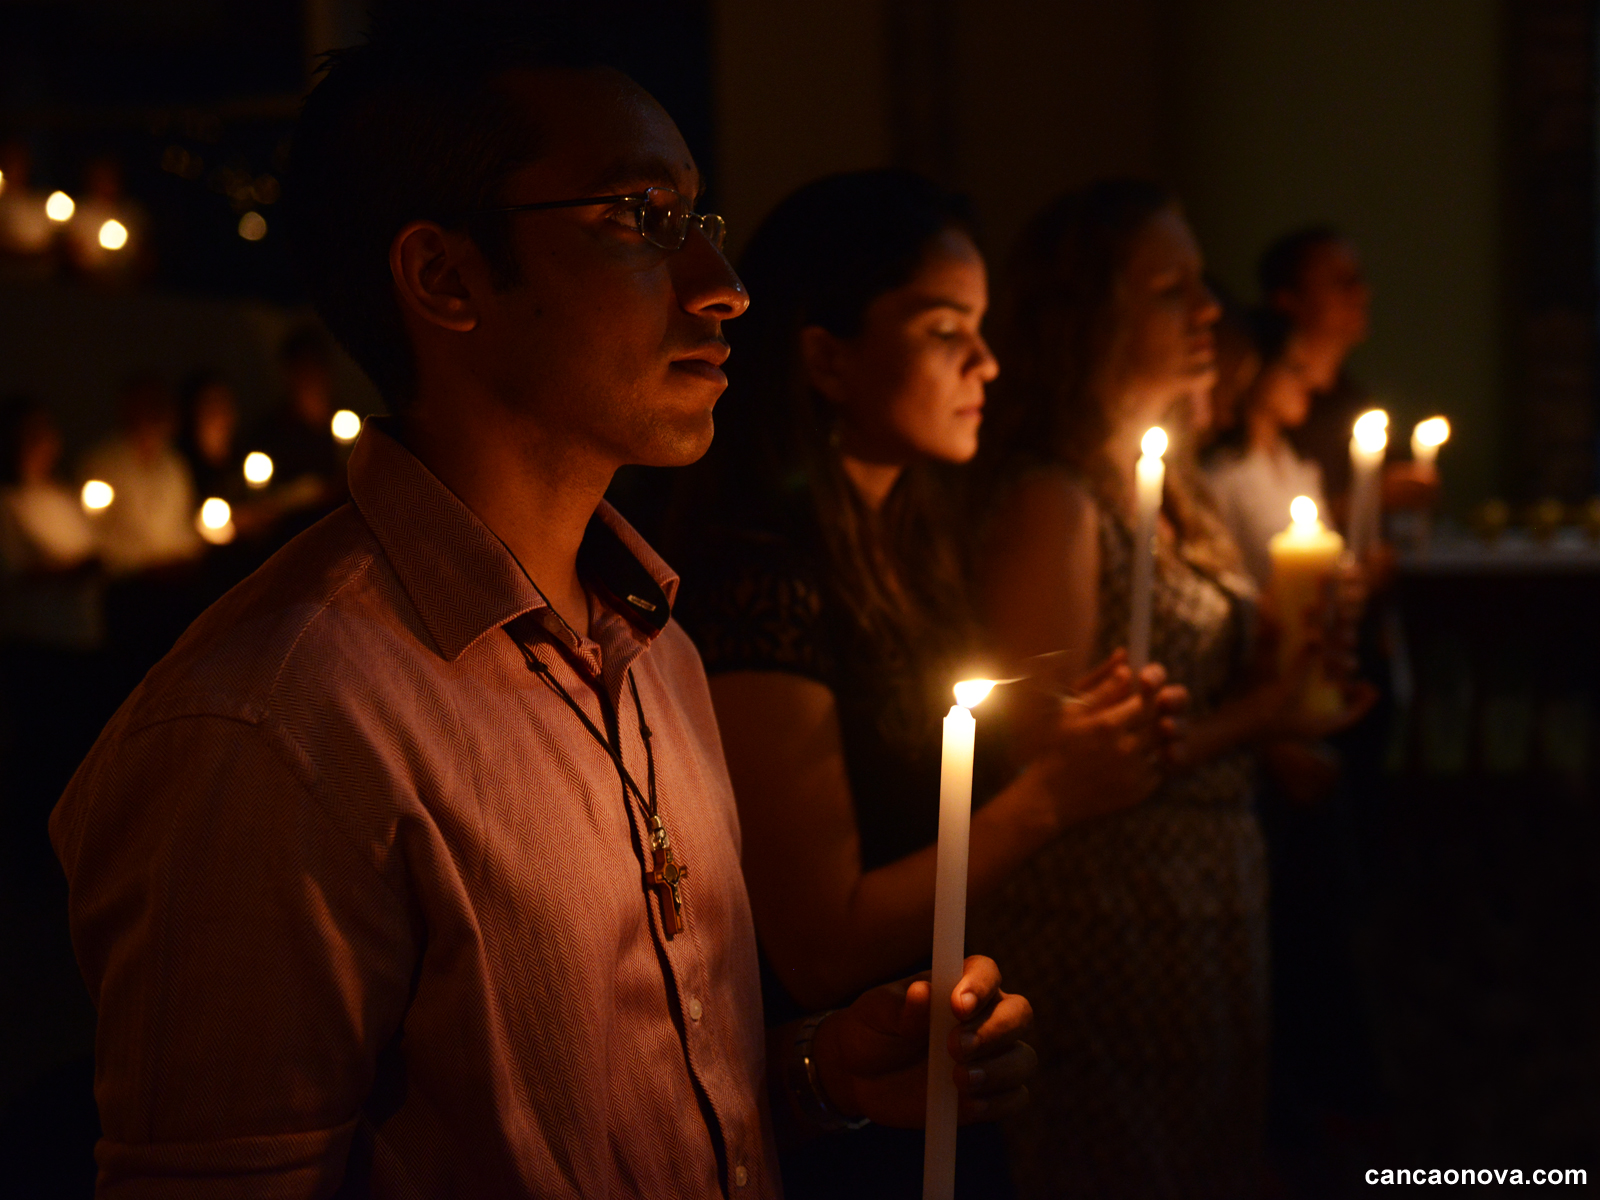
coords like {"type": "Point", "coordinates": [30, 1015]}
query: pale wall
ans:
{"type": "Point", "coordinates": [1383, 118]}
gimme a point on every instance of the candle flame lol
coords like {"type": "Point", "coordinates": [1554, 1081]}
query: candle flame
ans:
{"type": "Point", "coordinates": [346, 425]}
{"type": "Point", "coordinates": [971, 692]}
{"type": "Point", "coordinates": [1372, 430]}
{"type": "Point", "coordinates": [257, 468]}
{"type": "Point", "coordinates": [1154, 443]}
{"type": "Point", "coordinates": [113, 235]}
{"type": "Point", "coordinates": [1435, 431]}
{"type": "Point", "coordinates": [1303, 510]}
{"type": "Point", "coordinates": [59, 207]}
{"type": "Point", "coordinates": [97, 494]}
{"type": "Point", "coordinates": [215, 513]}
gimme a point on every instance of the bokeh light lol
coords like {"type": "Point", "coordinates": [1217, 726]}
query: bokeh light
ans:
{"type": "Point", "coordinates": [97, 494]}
{"type": "Point", "coordinates": [346, 425]}
{"type": "Point", "coordinates": [252, 226]}
{"type": "Point", "coordinates": [1303, 510]}
{"type": "Point", "coordinates": [257, 469]}
{"type": "Point", "coordinates": [215, 521]}
{"type": "Point", "coordinates": [1435, 431]}
{"type": "Point", "coordinates": [113, 235]}
{"type": "Point", "coordinates": [59, 207]}
{"type": "Point", "coordinates": [1372, 430]}
{"type": "Point", "coordinates": [1154, 442]}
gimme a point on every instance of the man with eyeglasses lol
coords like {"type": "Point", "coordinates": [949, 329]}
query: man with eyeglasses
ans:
{"type": "Point", "coordinates": [414, 869]}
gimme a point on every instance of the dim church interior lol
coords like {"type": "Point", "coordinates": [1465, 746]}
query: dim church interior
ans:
{"type": "Point", "coordinates": [1452, 139]}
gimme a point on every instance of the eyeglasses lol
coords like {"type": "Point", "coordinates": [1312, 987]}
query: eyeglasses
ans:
{"type": "Point", "coordinates": [662, 216]}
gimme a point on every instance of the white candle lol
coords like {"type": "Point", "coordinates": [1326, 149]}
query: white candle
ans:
{"type": "Point", "coordinates": [1149, 474]}
{"type": "Point", "coordinates": [1426, 439]}
{"type": "Point", "coordinates": [1304, 558]}
{"type": "Point", "coordinates": [949, 936]}
{"type": "Point", "coordinates": [1368, 441]}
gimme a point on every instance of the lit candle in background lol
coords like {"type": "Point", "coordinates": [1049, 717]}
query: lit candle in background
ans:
{"type": "Point", "coordinates": [1305, 557]}
{"type": "Point", "coordinates": [1368, 441]}
{"type": "Point", "coordinates": [97, 495]}
{"type": "Point", "coordinates": [113, 235]}
{"type": "Point", "coordinates": [215, 521]}
{"type": "Point", "coordinates": [1426, 439]}
{"type": "Point", "coordinates": [1149, 474]}
{"type": "Point", "coordinates": [59, 207]}
{"type": "Point", "coordinates": [949, 935]}
{"type": "Point", "coordinates": [346, 426]}
{"type": "Point", "coordinates": [257, 469]}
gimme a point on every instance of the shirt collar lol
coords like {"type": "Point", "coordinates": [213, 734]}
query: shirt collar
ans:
{"type": "Point", "coordinates": [460, 576]}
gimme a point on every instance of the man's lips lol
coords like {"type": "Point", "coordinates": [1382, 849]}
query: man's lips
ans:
{"type": "Point", "coordinates": [702, 369]}
{"type": "Point", "coordinates": [706, 362]}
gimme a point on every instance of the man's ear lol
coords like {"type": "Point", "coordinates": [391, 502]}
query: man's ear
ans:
{"type": "Point", "coordinates": [426, 263]}
{"type": "Point", "coordinates": [822, 356]}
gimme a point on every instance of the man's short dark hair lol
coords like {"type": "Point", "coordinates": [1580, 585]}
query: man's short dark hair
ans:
{"type": "Point", "coordinates": [409, 125]}
{"type": "Point", "coordinates": [1283, 263]}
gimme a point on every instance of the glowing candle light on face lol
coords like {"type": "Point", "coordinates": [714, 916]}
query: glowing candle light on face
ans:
{"type": "Point", "coordinates": [346, 426]}
{"type": "Point", "coordinates": [1368, 441]}
{"type": "Point", "coordinates": [1149, 475]}
{"type": "Point", "coordinates": [257, 469]}
{"type": "Point", "coordinates": [59, 207]}
{"type": "Point", "coordinates": [949, 935]}
{"type": "Point", "coordinates": [1305, 557]}
{"type": "Point", "coordinates": [97, 495]}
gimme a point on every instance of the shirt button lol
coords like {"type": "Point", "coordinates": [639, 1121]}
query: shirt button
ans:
{"type": "Point", "coordinates": [740, 1177]}
{"type": "Point", "coordinates": [696, 1010]}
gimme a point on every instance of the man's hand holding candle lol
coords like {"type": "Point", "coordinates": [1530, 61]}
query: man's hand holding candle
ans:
{"type": "Point", "coordinates": [872, 1058]}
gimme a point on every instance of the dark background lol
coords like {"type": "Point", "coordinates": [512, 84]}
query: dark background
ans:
{"type": "Point", "coordinates": [1455, 139]}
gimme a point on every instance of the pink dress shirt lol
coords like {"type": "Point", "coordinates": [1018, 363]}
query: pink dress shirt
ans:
{"type": "Point", "coordinates": [355, 894]}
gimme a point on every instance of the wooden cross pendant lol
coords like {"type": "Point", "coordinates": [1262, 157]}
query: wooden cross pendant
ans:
{"type": "Point", "coordinates": [666, 877]}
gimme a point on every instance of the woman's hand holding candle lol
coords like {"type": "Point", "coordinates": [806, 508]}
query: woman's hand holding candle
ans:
{"type": "Point", "coordinates": [1107, 743]}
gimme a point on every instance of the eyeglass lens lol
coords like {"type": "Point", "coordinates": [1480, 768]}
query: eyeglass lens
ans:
{"type": "Point", "coordinates": [666, 218]}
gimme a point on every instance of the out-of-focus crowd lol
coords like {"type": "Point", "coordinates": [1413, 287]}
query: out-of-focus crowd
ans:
{"type": "Point", "coordinates": [105, 561]}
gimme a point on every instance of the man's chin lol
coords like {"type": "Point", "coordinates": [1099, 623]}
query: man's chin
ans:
{"type": "Point", "coordinates": [677, 443]}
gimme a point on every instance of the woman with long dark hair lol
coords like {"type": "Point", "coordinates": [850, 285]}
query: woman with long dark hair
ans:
{"type": "Point", "coordinates": [1142, 936]}
{"type": "Point", "coordinates": [824, 587]}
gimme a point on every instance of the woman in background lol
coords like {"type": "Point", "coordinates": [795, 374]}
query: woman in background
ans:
{"type": "Point", "coordinates": [1256, 473]}
{"type": "Point", "coordinates": [208, 417]}
{"type": "Point", "coordinates": [1142, 936]}
{"type": "Point", "coordinates": [824, 587]}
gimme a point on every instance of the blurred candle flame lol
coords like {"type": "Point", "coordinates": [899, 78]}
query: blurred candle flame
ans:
{"type": "Point", "coordinates": [1372, 430]}
{"type": "Point", "coordinates": [1303, 510]}
{"type": "Point", "coordinates": [1154, 442]}
{"type": "Point", "coordinates": [59, 207]}
{"type": "Point", "coordinates": [346, 425]}
{"type": "Point", "coordinates": [97, 494]}
{"type": "Point", "coordinates": [113, 235]}
{"type": "Point", "coordinates": [257, 469]}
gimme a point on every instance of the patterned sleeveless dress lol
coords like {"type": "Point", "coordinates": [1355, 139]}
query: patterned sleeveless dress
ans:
{"type": "Point", "coordinates": [1141, 941]}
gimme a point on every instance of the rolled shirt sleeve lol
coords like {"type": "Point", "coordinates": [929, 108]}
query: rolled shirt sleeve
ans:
{"type": "Point", "coordinates": [248, 959]}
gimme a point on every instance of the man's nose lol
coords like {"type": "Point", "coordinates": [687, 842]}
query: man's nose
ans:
{"type": "Point", "coordinates": [706, 283]}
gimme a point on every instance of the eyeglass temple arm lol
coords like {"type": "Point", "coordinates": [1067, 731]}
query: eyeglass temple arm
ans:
{"type": "Point", "coordinates": [583, 203]}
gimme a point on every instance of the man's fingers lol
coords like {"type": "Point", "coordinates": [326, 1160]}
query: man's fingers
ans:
{"type": "Point", "coordinates": [992, 1108]}
{"type": "Point", "coordinates": [1118, 682]}
{"type": "Point", "coordinates": [998, 1074]}
{"type": "Point", "coordinates": [976, 990]}
{"type": "Point", "coordinates": [1008, 1021]}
